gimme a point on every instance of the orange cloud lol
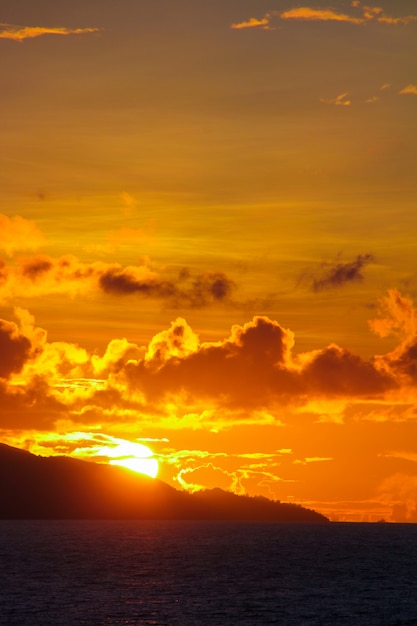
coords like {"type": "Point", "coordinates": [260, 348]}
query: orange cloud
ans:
{"type": "Point", "coordinates": [18, 234]}
{"type": "Point", "coordinates": [372, 99]}
{"type": "Point", "coordinates": [398, 317]}
{"type": "Point", "coordinates": [20, 33]}
{"type": "Point", "coordinates": [400, 490]}
{"type": "Point", "coordinates": [387, 19]}
{"type": "Point", "coordinates": [252, 376]}
{"type": "Point", "coordinates": [326, 15]}
{"type": "Point", "coordinates": [341, 100]}
{"type": "Point", "coordinates": [233, 471]}
{"type": "Point", "coordinates": [253, 22]}
{"type": "Point", "coordinates": [409, 89]}
{"type": "Point", "coordinates": [179, 341]}
{"type": "Point", "coordinates": [368, 14]}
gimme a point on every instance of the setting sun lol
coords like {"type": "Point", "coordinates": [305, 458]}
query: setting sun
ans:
{"type": "Point", "coordinates": [133, 456]}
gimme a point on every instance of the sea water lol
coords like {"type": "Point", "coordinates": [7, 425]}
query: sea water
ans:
{"type": "Point", "coordinates": [207, 573]}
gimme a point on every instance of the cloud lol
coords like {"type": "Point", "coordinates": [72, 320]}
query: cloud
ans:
{"type": "Point", "coordinates": [131, 280]}
{"type": "Point", "coordinates": [340, 274]}
{"type": "Point", "coordinates": [361, 15]}
{"type": "Point", "coordinates": [326, 15]}
{"type": "Point", "coordinates": [399, 317]}
{"type": "Point", "coordinates": [20, 33]}
{"type": "Point", "coordinates": [37, 267]}
{"type": "Point", "coordinates": [44, 275]}
{"type": "Point", "coordinates": [400, 490]}
{"type": "Point", "coordinates": [19, 234]}
{"type": "Point", "coordinates": [15, 349]}
{"type": "Point", "coordinates": [340, 100]}
{"type": "Point", "coordinates": [369, 14]}
{"type": "Point", "coordinates": [395, 21]}
{"type": "Point", "coordinates": [313, 459]}
{"type": "Point", "coordinates": [336, 372]}
{"type": "Point", "coordinates": [231, 471]}
{"type": "Point", "coordinates": [253, 22]}
{"type": "Point", "coordinates": [254, 369]}
{"type": "Point", "coordinates": [176, 342]}
{"type": "Point", "coordinates": [205, 289]}
{"type": "Point", "coordinates": [32, 407]}
{"type": "Point", "coordinates": [409, 89]}
{"type": "Point", "coordinates": [344, 99]}
{"type": "Point", "coordinates": [372, 99]}
{"type": "Point", "coordinates": [252, 376]}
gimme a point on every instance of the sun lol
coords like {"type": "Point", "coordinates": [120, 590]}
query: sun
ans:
{"type": "Point", "coordinates": [134, 456]}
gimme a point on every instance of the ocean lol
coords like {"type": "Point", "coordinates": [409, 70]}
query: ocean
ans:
{"type": "Point", "coordinates": [207, 573]}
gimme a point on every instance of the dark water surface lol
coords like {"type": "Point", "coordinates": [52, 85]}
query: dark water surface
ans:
{"type": "Point", "coordinates": [207, 573]}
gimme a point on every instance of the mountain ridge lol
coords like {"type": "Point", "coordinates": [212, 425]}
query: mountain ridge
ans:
{"type": "Point", "coordinates": [60, 487]}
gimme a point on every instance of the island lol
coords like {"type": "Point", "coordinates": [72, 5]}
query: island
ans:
{"type": "Point", "coordinates": [60, 487]}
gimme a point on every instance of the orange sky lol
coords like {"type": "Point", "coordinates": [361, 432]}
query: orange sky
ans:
{"type": "Point", "coordinates": [208, 243]}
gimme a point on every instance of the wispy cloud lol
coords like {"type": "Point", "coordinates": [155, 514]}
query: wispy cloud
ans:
{"type": "Point", "coordinates": [322, 15]}
{"type": "Point", "coordinates": [409, 89]}
{"type": "Point", "coordinates": [20, 33]}
{"type": "Point", "coordinates": [340, 100]}
{"type": "Point", "coordinates": [360, 15]}
{"type": "Point", "coordinates": [340, 274]}
{"type": "Point", "coordinates": [344, 99]}
{"type": "Point", "coordinates": [368, 14]}
{"type": "Point", "coordinates": [253, 22]}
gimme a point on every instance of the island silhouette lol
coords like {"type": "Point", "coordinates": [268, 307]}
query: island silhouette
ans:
{"type": "Point", "coordinates": [59, 487]}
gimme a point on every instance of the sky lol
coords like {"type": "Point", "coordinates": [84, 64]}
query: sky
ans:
{"type": "Point", "coordinates": [208, 243]}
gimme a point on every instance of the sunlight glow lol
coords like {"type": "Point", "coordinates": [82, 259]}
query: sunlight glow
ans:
{"type": "Point", "coordinates": [133, 456]}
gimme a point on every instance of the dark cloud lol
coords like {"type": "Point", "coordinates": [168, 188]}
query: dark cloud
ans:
{"type": "Point", "coordinates": [339, 274]}
{"type": "Point", "coordinates": [210, 287]}
{"type": "Point", "coordinates": [29, 407]}
{"type": "Point", "coordinates": [243, 370]}
{"type": "Point", "coordinates": [37, 266]}
{"type": "Point", "coordinates": [254, 367]}
{"type": "Point", "coordinates": [3, 272]}
{"type": "Point", "coordinates": [205, 289]}
{"type": "Point", "coordinates": [15, 349]}
{"type": "Point", "coordinates": [123, 282]}
{"type": "Point", "coordinates": [337, 372]}
{"type": "Point", "coordinates": [42, 275]}
{"type": "Point", "coordinates": [404, 361]}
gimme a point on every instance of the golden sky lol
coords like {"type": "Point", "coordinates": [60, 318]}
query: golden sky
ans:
{"type": "Point", "coordinates": [208, 243]}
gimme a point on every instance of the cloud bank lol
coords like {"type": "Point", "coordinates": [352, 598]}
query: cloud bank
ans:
{"type": "Point", "coordinates": [254, 371]}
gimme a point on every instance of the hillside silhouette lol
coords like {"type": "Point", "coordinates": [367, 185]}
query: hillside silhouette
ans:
{"type": "Point", "coordinates": [35, 487]}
